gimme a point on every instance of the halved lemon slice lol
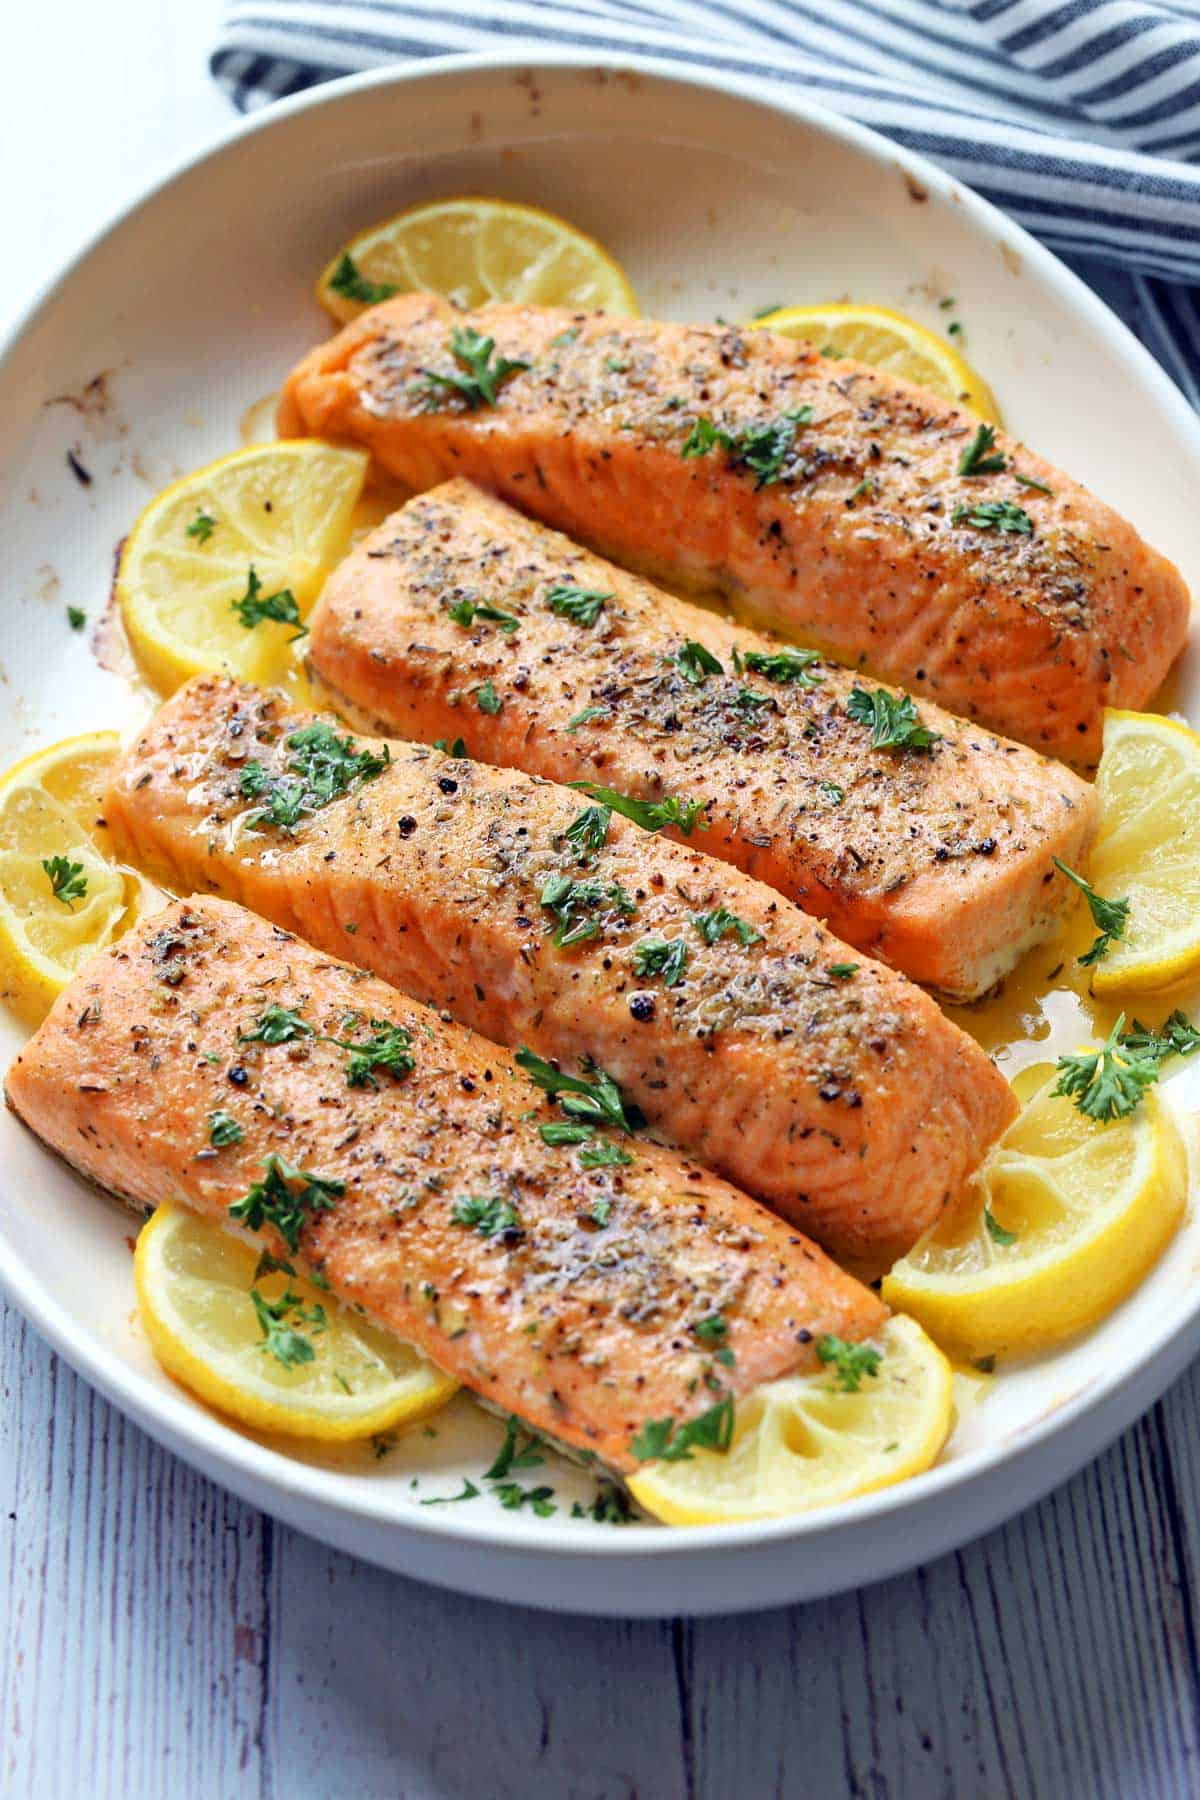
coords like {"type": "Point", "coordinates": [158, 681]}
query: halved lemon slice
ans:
{"type": "Point", "coordinates": [888, 340]}
{"type": "Point", "coordinates": [62, 897]}
{"type": "Point", "coordinates": [221, 569]}
{"type": "Point", "coordinates": [1148, 850]}
{"type": "Point", "coordinates": [296, 1363]}
{"type": "Point", "coordinates": [1067, 1216]}
{"type": "Point", "coordinates": [473, 251]}
{"type": "Point", "coordinates": [806, 1441]}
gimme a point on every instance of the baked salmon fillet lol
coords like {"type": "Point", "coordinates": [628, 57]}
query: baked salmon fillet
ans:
{"type": "Point", "coordinates": [822, 1082]}
{"type": "Point", "coordinates": [459, 616]}
{"type": "Point", "coordinates": [568, 1295]}
{"type": "Point", "coordinates": [829, 501]}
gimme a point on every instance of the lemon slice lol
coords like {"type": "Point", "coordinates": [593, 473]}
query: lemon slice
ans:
{"type": "Point", "coordinates": [1148, 850]}
{"type": "Point", "coordinates": [804, 1442]}
{"type": "Point", "coordinates": [887, 340]}
{"type": "Point", "coordinates": [272, 518]}
{"type": "Point", "coordinates": [51, 807]}
{"type": "Point", "coordinates": [1080, 1211]}
{"type": "Point", "coordinates": [348, 1379]}
{"type": "Point", "coordinates": [473, 251]}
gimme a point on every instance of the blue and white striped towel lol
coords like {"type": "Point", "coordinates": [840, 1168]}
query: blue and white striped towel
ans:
{"type": "Point", "coordinates": [1080, 118]}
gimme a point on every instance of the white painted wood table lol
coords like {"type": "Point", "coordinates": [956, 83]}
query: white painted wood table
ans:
{"type": "Point", "coordinates": [159, 1638]}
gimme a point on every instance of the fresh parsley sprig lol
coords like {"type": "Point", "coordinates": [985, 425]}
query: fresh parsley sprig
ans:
{"type": "Point", "coordinates": [713, 926]}
{"type": "Point", "coordinates": [661, 956]}
{"type": "Point", "coordinates": [979, 457]}
{"type": "Point", "coordinates": [1108, 1083]}
{"type": "Point", "coordinates": [253, 607]}
{"type": "Point", "coordinates": [322, 768]}
{"type": "Point", "coordinates": [348, 281]}
{"type": "Point", "coordinates": [695, 663]}
{"type": "Point", "coordinates": [491, 1215]}
{"type": "Point", "coordinates": [68, 882]}
{"type": "Point", "coordinates": [893, 719]}
{"type": "Point", "coordinates": [651, 815]}
{"type": "Point", "coordinates": [581, 605]}
{"type": "Point", "coordinates": [477, 378]}
{"type": "Point", "coordinates": [575, 906]}
{"type": "Point", "coordinates": [661, 1440]}
{"type": "Point", "coordinates": [765, 449]}
{"type": "Point", "coordinates": [285, 1198]}
{"type": "Point", "coordinates": [594, 1096]}
{"type": "Point", "coordinates": [794, 667]}
{"type": "Point", "coordinates": [850, 1362]}
{"type": "Point", "coordinates": [280, 1339]}
{"type": "Point", "coordinates": [465, 612]}
{"type": "Point", "coordinates": [994, 515]}
{"type": "Point", "coordinates": [1110, 917]}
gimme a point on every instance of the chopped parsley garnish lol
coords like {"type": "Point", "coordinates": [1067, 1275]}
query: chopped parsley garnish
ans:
{"type": "Point", "coordinates": [581, 605]}
{"type": "Point", "coordinates": [76, 618]}
{"type": "Point", "coordinates": [850, 1362]}
{"type": "Point", "coordinates": [832, 792]}
{"type": "Point", "coordinates": [1031, 481]}
{"type": "Point", "coordinates": [285, 1198]}
{"type": "Point", "coordinates": [1110, 917]}
{"type": "Point", "coordinates": [661, 1440]}
{"type": "Point", "coordinates": [713, 926]}
{"type": "Point", "coordinates": [458, 748]}
{"type": "Point", "coordinates": [763, 449]}
{"type": "Point", "coordinates": [281, 1340]}
{"type": "Point", "coordinates": [893, 720]}
{"type": "Point", "coordinates": [324, 767]}
{"type": "Point", "coordinates": [651, 815]}
{"type": "Point", "coordinates": [995, 1229]}
{"type": "Point", "coordinates": [658, 956]}
{"type": "Point", "coordinates": [979, 457]}
{"type": "Point", "coordinates": [521, 1449]}
{"type": "Point", "coordinates": [994, 515]}
{"type": "Point", "coordinates": [477, 377]}
{"type": "Point", "coordinates": [278, 1025]}
{"type": "Point", "coordinates": [696, 664]}
{"type": "Point", "coordinates": [750, 704]}
{"type": "Point", "coordinates": [567, 900]}
{"type": "Point", "coordinates": [512, 1496]}
{"type": "Point", "coordinates": [487, 699]}
{"type": "Point", "coordinates": [254, 606]}
{"type": "Point", "coordinates": [68, 882]}
{"type": "Point", "coordinates": [351, 284]}
{"type": "Point", "coordinates": [389, 1047]}
{"type": "Point", "coordinates": [469, 1492]}
{"type": "Point", "coordinates": [610, 1505]}
{"type": "Point", "coordinates": [603, 1153]}
{"type": "Point", "coordinates": [712, 1330]}
{"type": "Point", "coordinates": [588, 831]}
{"type": "Point", "coordinates": [792, 666]}
{"type": "Point", "coordinates": [844, 971]}
{"type": "Point", "coordinates": [491, 1215]}
{"type": "Point", "coordinates": [587, 715]}
{"type": "Point", "coordinates": [465, 612]}
{"type": "Point", "coordinates": [595, 1096]}
{"type": "Point", "coordinates": [223, 1129]}
{"type": "Point", "coordinates": [563, 1131]}
{"type": "Point", "coordinates": [1108, 1083]}
{"type": "Point", "coordinates": [202, 526]}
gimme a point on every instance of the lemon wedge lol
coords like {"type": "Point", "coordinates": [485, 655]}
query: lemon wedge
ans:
{"type": "Point", "coordinates": [474, 251]}
{"type": "Point", "coordinates": [222, 568]}
{"type": "Point", "coordinates": [62, 896]}
{"type": "Point", "coordinates": [1148, 851]}
{"type": "Point", "coordinates": [806, 1442]}
{"type": "Point", "coordinates": [1066, 1217]}
{"type": "Point", "coordinates": [307, 1368]}
{"type": "Point", "coordinates": [888, 340]}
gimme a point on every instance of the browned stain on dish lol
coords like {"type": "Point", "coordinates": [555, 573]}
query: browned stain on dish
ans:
{"type": "Point", "coordinates": [916, 192]}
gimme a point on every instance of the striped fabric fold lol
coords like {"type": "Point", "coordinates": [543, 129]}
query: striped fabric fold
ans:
{"type": "Point", "coordinates": [1080, 118]}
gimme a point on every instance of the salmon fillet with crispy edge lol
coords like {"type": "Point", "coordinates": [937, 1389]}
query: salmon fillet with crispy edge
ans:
{"type": "Point", "coordinates": [578, 1312]}
{"type": "Point", "coordinates": [938, 861]}
{"type": "Point", "coordinates": [820, 1081]}
{"type": "Point", "coordinates": [822, 498]}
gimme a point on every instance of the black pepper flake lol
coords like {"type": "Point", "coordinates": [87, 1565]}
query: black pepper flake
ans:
{"type": "Point", "coordinates": [239, 1077]}
{"type": "Point", "coordinates": [642, 1007]}
{"type": "Point", "coordinates": [447, 784]}
{"type": "Point", "coordinates": [406, 826]}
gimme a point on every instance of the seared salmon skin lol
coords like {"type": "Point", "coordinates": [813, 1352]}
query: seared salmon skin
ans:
{"type": "Point", "coordinates": [459, 616]}
{"type": "Point", "coordinates": [819, 1080]}
{"type": "Point", "coordinates": [826, 500]}
{"type": "Point", "coordinates": [422, 1187]}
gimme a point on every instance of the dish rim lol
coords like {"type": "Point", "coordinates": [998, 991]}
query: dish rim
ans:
{"type": "Point", "coordinates": [201, 1437]}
